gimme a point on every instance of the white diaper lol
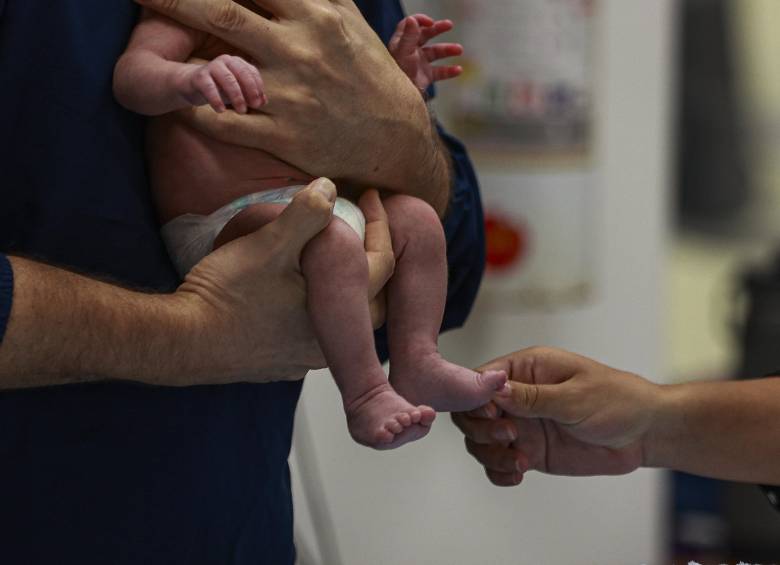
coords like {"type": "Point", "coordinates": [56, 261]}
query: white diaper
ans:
{"type": "Point", "coordinates": [189, 238]}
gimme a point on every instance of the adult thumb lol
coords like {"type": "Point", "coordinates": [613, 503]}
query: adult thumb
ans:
{"type": "Point", "coordinates": [533, 401]}
{"type": "Point", "coordinates": [307, 215]}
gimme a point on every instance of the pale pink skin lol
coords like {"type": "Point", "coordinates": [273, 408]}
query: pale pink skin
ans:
{"type": "Point", "coordinates": [191, 173]}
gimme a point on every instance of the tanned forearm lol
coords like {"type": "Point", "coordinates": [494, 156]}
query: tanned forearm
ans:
{"type": "Point", "coordinates": [67, 328]}
{"type": "Point", "coordinates": [426, 170]}
{"type": "Point", "coordinates": [725, 430]}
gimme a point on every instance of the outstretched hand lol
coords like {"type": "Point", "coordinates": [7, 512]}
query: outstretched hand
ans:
{"type": "Point", "coordinates": [563, 414]}
{"type": "Point", "coordinates": [409, 46]}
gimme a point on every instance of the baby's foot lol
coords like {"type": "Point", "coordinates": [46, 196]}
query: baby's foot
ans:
{"type": "Point", "coordinates": [382, 419]}
{"type": "Point", "coordinates": [447, 387]}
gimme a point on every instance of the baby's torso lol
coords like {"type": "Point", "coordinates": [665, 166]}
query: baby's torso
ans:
{"type": "Point", "coordinates": [193, 173]}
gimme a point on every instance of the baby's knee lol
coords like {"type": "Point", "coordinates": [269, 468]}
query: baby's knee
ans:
{"type": "Point", "coordinates": [338, 245]}
{"type": "Point", "coordinates": [410, 215]}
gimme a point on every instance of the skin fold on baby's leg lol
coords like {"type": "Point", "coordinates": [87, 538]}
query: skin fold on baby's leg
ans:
{"type": "Point", "coordinates": [335, 267]}
{"type": "Point", "coordinates": [416, 296]}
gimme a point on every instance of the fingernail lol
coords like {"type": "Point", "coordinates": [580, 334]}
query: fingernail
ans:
{"type": "Point", "coordinates": [326, 187]}
{"type": "Point", "coordinates": [521, 465]}
{"type": "Point", "coordinates": [506, 390]}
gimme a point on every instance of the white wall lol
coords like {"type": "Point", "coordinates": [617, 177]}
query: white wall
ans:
{"type": "Point", "coordinates": [429, 502]}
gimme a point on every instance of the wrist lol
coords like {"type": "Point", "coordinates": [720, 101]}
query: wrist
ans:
{"type": "Point", "coordinates": [660, 439]}
{"type": "Point", "coordinates": [179, 84]}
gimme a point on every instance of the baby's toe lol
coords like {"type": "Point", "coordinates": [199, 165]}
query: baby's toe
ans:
{"type": "Point", "coordinates": [404, 419]}
{"type": "Point", "coordinates": [394, 426]}
{"type": "Point", "coordinates": [427, 415]}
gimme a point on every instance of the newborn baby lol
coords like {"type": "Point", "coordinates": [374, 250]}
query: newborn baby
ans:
{"type": "Point", "coordinates": [208, 192]}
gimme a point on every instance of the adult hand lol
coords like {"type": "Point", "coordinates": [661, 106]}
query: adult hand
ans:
{"type": "Point", "coordinates": [562, 414]}
{"type": "Point", "coordinates": [338, 104]}
{"type": "Point", "coordinates": [239, 316]}
{"type": "Point", "coordinates": [252, 292]}
{"type": "Point", "coordinates": [250, 297]}
{"type": "Point", "coordinates": [379, 252]}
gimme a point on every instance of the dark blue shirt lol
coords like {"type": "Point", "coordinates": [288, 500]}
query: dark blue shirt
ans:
{"type": "Point", "coordinates": [116, 472]}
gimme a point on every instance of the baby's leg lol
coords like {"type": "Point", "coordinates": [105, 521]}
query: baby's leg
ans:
{"type": "Point", "coordinates": [336, 271]}
{"type": "Point", "coordinates": [415, 306]}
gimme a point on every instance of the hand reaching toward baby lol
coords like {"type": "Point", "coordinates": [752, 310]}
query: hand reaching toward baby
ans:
{"type": "Point", "coordinates": [409, 46]}
{"type": "Point", "coordinates": [225, 80]}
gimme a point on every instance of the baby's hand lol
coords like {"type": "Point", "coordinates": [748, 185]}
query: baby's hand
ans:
{"type": "Point", "coordinates": [410, 50]}
{"type": "Point", "coordinates": [225, 80]}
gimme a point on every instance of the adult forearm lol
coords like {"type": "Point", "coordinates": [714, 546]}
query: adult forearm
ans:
{"type": "Point", "coordinates": [725, 430]}
{"type": "Point", "coordinates": [428, 171]}
{"type": "Point", "coordinates": [68, 328]}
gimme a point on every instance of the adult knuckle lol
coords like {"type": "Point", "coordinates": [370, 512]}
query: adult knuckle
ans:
{"type": "Point", "coordinates": [225, 16]}
{"type": "Point", "coordinates": [529, 396]}
{"type": "Point", "coordinates": [162, 5]}
{"type": "Point", "coordinates": [328, 15]}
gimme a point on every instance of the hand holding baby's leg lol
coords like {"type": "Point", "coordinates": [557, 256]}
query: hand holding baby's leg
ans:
{"type": "Point", "coordinates": [225, 80]}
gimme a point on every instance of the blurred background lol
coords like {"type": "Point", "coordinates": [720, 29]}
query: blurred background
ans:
{"type": "Point", "coordinates": [629, 157]}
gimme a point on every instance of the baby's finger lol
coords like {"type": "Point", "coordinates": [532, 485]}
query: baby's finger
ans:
{"type": "Point", "coordinates": [438, 27]}
{"type": "Point", "coordinates": [392, 45]}
{"type": "Point", "coordinates": [442, 51]}
{"type": "Point", "coordinates": [444, 73]}
{"type": "Point", "coordinates": [423, 19]}
{"type": "Point", "coordinates": [228, 84]}
{"type": "Point", "coordinates": [248, 79]}
{"type": "Point", "coordinates": [207, 88]}
{"type": "Point", "coordinates": [410, 38]}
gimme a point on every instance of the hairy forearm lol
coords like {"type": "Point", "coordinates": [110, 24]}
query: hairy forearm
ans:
{"type": "Point", "coordinates": [725, 430]}
{"type": "Point", "coordinates": [145, 83]}
{"type": "Point", "coordinates": [425, 168]}
{"type": "Point", "coordinates": [67, 328]}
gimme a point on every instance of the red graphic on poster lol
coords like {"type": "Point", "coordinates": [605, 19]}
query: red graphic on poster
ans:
{"type": "Point", "coordinates": [507, 242]}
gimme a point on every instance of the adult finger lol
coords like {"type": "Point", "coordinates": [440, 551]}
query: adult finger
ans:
{"type": "Point", "coordinates": [228, 20]}
{"type": "Point", "coordinates": [230, 127]}
{"type": "Point", "coordinates": [486, 431]}
{"type": "Point", "coordinates": [488, 411]}
{"type": "Point", "coordinates": [377, 306]}
{"type": "Point", "coordinates": [498, 458]}
{"type": "Point", "coordinates": [308, 214]}
{"type": "Point", "coordinates": [379, 247]}
{"type": "Point", "coordinates": [541, 365]}
{"type": "Point", "coordinates": [524, 400]}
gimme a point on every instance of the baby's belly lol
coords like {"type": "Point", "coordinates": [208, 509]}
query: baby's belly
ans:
{"type": "Point", "coordinates": [192, 173]}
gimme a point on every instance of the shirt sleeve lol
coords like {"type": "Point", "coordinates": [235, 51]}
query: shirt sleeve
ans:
{"type": "Point", "coordinates": [6, 293]}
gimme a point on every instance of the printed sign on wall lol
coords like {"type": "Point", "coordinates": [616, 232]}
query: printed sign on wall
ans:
{"type": "Point", "coordinates": [525, 108]}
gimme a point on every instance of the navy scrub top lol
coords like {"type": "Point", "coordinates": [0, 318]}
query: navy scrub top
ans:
{"type": "Point", "coordinates": [118, 472]}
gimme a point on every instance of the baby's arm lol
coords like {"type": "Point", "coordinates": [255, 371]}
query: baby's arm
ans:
{"type": "Point", "coordinates": [410, 50]}
{"type": "Point", "coordinates": [152, 78]}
